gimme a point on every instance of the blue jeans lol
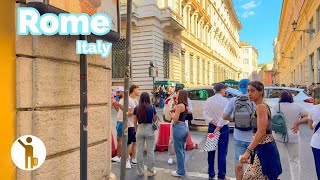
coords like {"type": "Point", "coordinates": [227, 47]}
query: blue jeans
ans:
{"type": "Point", "coordinates": [316, 155]}
{"type": "Point", "coordinates": [240, 148]}
{"type": "Point", "coordinates": [222, 153]}
{"type": "Point", "coordinates": [180, 134]}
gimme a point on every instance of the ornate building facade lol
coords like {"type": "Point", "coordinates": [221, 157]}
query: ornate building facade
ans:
{"type": "Point", "coordinates": [195, 42]}
{"type": "Point", "coordinates": [298, 51]}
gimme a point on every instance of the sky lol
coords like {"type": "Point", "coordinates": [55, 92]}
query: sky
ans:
{"type": "Point", "coordinates": [260, 22]}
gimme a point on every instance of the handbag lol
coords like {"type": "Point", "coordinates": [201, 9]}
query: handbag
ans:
{"type": "Point", "coordinates": [212, 142]}
{"type": "Point", "coordinates": [155, 121]}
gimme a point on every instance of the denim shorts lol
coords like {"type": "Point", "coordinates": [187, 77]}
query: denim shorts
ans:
{"type": "Point", "coordinates": [240, 148]}
{"type": "Point", "coordinates": [119, 128]}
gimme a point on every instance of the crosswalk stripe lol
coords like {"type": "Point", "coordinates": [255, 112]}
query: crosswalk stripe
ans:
{"type": "Point", "coordinates": [190, 174]}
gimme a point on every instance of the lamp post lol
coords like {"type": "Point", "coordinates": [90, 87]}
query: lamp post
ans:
{"type": "Point", "coordinates": [289, 57]}
{"type": "Point", "coordinates": [310, 31]}
{"type": "Point", "coordinates": [153, 72]}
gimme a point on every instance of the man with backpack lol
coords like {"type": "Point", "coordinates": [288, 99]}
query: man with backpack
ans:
{"type": "Point", "coordinates": [242, 109]}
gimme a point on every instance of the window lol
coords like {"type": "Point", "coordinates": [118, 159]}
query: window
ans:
{"type": "Point", "coordinates": [204, 71]}
{"type": "Point", "coordinates": [201, 94]}
{"type": "Point", "coordinates": [183, 67]}
{"type": "Point", "coordinates": [198, 70]}
{"type": "Point", "coordinates": [191, 68]}
{"type": "Point", "coordinates": [203, 4]}
{"type": "Point", "coordinates": [119, 58]}
{"type": "Point", "coordinates": [181, 14]}
{"type": "Point", "coordinates": [167, 47]}
{"type": "Point", "coordinates": [246, 51]}
{"type": "Point", "coordinates": [246, 61]}
{"type": "Point", "coordinates": [311, 27]}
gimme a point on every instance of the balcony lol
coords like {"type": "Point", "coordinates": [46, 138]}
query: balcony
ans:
{"type": "Point", "coordinates": [172, 18]}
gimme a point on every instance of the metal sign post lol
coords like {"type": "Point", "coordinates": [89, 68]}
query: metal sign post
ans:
{"type": "Point", "coordinates": [83, 114]}
{"type": "Point", "coordinates": [126, 93]}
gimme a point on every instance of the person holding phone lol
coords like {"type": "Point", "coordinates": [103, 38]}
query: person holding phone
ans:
{"type": "Point", "coordinates": [180, 132]}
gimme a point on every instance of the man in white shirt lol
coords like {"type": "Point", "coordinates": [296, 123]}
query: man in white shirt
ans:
{"type": "Point", "coordinates": [212, 112]}
{"type": "Point", "coordinates": [242, 137]}
{"type": "Point", "coordinates": [131, 143]}
{"type": "Point", "coordinates": [133, 93]}
{"type": "Point", "coordinates": [120, 94]}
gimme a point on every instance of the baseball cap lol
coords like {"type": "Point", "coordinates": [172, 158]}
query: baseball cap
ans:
{"type": "Point", "coordinates": [243, 85]}
{"type": "Point", "coordinates": [217, 87]}
{"type": "Point", "coordinates": [120, 89]}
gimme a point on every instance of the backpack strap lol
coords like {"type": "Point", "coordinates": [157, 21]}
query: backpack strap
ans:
{"type": "Point", "coordinates": [279, 108]}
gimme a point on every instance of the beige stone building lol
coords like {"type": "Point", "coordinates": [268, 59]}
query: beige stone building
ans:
{"type": "Point", "coordinates": [298, 52]}
{"type": "Point", "coordinates": [249, 61]}
{"type": "Point", "coordinates": [195, 42]}
{"type": "Point", "coordinates": [48, 105]}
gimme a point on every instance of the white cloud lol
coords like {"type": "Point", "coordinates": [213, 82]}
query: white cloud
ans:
{"type": "Point", "coordinates": [250, 5]}
{"type": "Point", "coordinates": [247, 14]}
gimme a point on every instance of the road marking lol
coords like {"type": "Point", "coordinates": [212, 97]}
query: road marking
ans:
{"type": "Point", "coordinates": [189, 174]}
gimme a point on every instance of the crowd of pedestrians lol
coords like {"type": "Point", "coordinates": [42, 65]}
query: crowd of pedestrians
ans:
{"type": "Point", "coordinates": [256, 137]}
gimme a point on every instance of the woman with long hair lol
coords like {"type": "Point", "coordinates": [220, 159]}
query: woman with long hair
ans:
{"type": "Point", "coordinates": [289, 143]}
{"type": "Point", "coordinates": [262, 151]}
{"type": "Point", "coordinates": [144, 115]}
{"type": "Point", "coordinates": [180, 132]}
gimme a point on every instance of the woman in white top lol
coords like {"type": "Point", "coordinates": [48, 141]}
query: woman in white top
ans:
{"type": "Point", "coordinates": [295, 115]}
{"type": "Point", "coordinates": [314, 123]}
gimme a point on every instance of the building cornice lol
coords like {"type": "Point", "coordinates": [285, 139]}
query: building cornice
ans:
{"type": "Point", "coordinates": [233, 13]}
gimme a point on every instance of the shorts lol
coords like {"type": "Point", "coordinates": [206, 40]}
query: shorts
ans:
{"type": "Point", "coordinates": [119, 128]}
{"type": "Point", "coordinates": [131, 135]}
{"type": "Point", "coordinates": [240, 148]}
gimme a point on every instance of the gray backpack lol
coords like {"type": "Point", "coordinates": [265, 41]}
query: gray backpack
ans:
{"type": "Point", "coordinates": [242, 113]}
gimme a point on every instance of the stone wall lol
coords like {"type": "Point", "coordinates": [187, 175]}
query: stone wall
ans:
{"type": "Point", "coordinates": [48, 106]}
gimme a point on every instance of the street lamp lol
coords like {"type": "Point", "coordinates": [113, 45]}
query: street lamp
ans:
{"type": "Point", "coordinates": [282, 55]}
{"type": "Point", "coordinates": [310, 31]}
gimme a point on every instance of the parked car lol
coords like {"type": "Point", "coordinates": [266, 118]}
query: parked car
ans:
{"type": "Point", "coordinates": [271, 95]}
{"type": "Point", "coordinates": [199, 95]}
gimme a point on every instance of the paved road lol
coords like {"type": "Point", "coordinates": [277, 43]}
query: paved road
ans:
{"type": "Point", "coordinates": [196, 161]}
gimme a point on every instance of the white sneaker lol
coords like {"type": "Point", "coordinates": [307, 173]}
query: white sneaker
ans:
{"type": "Point", "coordinates": [175, 174]}
{"type": "Point", "coordinates": [128, 164]}
{"type": "Point", "coordinates": [116, 159]}
{"type": "Point", "coordinates": [134, 161]}
{"type": "Point", "coordinates": [170, 161]}
{"type": "Point", "coordinates": [152, 173]}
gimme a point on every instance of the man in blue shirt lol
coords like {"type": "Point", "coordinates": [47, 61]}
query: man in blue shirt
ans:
{"type": "Point", "coordinates": [242, 139]}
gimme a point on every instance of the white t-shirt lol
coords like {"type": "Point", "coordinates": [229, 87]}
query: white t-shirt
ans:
{"type": "Point", "coordinates": [292, 112]}
{"type": "Point", "coordinates": [315, 117]}
{"type": "Point", "coordinates": [132, 104]}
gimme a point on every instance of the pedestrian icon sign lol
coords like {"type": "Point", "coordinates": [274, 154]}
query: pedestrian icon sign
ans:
{"type": "Point", "coordinates": [28, 152]}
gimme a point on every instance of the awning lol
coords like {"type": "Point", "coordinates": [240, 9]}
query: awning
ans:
{"type": "Point", "coordinates": [168, 83]}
